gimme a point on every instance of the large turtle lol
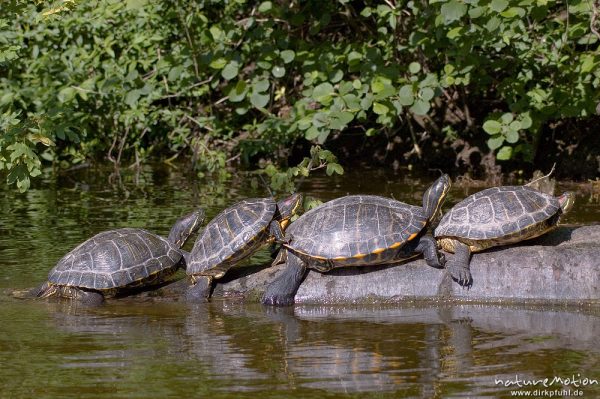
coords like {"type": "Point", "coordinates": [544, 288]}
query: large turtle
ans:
{"type": "Point", "coordinates": [497, 216]}
{"type": "Point", "coordinates": [234, 234]}
{"type": "Point", "coordinates": [356, 230]}
{"type": "Point", "coordinates": [114, 261]}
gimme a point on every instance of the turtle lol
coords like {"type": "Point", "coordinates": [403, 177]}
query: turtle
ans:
{"type": "Point", "coordinates": [356, 230]}
{"type": "Point", "coordinates": [493, 217]}
{"type": "Point", "coordinates": [114, 261]}
{"type": "Point", "coordinates": [233, 235]}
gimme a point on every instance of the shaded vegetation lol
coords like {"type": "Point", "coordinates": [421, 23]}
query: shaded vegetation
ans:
{"type": "Point", "coordinates": [256, 84]}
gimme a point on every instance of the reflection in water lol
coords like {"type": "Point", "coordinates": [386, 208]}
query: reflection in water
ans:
{"type": "Point", "coordinates": [129, 348]}
{"type": "Point", "coordinates": [416, 351]}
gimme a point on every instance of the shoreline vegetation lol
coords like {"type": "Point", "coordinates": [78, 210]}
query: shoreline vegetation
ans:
{"type": "Point", "coordinates": [484, 90]}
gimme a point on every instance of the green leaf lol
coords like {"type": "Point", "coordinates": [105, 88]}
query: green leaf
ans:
{"type": "Point", "coordinates": [312, 133]}
{"type": "Point", "coordinates": [320, 119]}
{"type": "Point", "coordinates": [287, 56]}
{"type": "Point", "coordinates": [260, 85]}
{"type": "Point", "coordinates": [506, 118]}
{"type": "Point", "coordinates": [216, 32]}
{"type": "Point", "coordinates": [345, 87]}
{"type": "Point", "coordinates": [259, 100]}
{"type": "Point", "coordinates": [453, 11]}
{"type": "Point", "coordinates": [427, 94]}
{"type": "Point", "coordinates": [454, 32]}
{"type": "Point", "coordinates": [406, 95]}
{"type": "Point", "coordinates": [515, 126]}
{"type": "Point", "coordinates": [492, 126]}
{"type": "Point", "coordinates": [512, 136]}
{"type": "Point", "coordinates": [304, 123]}
{"type": "Point", "coordinates": [132, 98]}
{"type": "Point", "coordinates": [493, 24]}
{"type": "Point", "coordinates": [354, 58]}
{"type": "Point", "coordinates": [414, 67]}
{"type": "Point", "coordinates": [230, 71]}
{"type": "Point", "coordinates": [380, 109]}
{"type": "Point", "coordinates": [498, 5]}
{"type": "Point", "coordinates": [366, 12]}
{"type": "Point", "coordinates": [323, 136]}
{"type": "Point", "coordinates": [504, 154]}
{"type": "Point", "coordinates": [323, 93]}
{"type": "Point", "coordinates": [495, 142]}
{"type": "Point", "coordinates": [238, 92]}
{"type": "Point", "coordinates": [352, 102]}
{"type": "Point", "coordinates": [525, 121]}
{"type": "Point", "coordinates": [265, 6]}
{"type": "Point", "coordinates": [66, 94]}
{"type": "Point", "coordinates": [219, 63]}
{"type": "Point", "coordinates": [334, 168]}
{"type": "Point", "coordinates": [420, 107]}
{"type": "Point", "coordinates": [278, 71]}
{"type": "Point", "coordinates": [513, 12]}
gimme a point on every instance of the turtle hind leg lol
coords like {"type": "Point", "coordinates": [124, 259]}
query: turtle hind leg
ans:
{"type": "Point", "coordinates": [282, 290]}
{"type": "Point", "coordinates": [428, 246]}
{"type": "Point", "coordinates": [200, 290]}
{"type": "Point", "coordinates": [458, 266]}
{"type": "Point", "coordinates": [90, 298]}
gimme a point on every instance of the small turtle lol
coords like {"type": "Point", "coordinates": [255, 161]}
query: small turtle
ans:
{"type": "Point", "coordinates": [234, 234]}
{"type": "Point", "coordinates": [496, 216]}
{"type": "Point", "coordinates": [356, 230]}
{"type": "Point", "coordinates": [114, 261]}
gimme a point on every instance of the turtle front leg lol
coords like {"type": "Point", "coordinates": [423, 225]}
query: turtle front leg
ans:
{"type": "Point", "coordinates": [276, 233]}
{"type": "Point", "coordinates": [459, 267]}
{"type": "Point", "coordinates": [428, 247]}
{"type": "Point", "coordinates": [200, 289]}
{"type": "Point", "coordinates": [282, 290]}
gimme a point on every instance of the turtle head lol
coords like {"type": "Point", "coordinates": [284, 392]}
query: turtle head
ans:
{"type": "Point", "coordinates": [287, 208]}
{"type": "Point", "coordinates": [434, 197]}
{"type": "Point", "coordinates": [566, 201]}
{"type": "Point", "coordinates": [185, 227]}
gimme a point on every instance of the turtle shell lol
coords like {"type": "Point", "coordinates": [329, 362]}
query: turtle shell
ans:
{"type": "Point", "coordinates": [498, 213]}
{"type": "Point", "coordinates": [232, 235]}
{"type": "Point", "coordinates": [354, 230]}
{"type": "Point", "coordinates": [115, 259]}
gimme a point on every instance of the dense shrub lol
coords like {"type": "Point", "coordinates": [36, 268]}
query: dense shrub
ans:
{"type": "Point", "coordinates": [242, 81]}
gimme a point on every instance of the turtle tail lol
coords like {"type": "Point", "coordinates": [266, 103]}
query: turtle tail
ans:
{"type": "Point", "coordinates": [41, 291]}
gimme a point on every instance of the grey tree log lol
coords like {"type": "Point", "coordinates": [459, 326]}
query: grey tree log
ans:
{"type": "Point", "coordinates": [560, 267]}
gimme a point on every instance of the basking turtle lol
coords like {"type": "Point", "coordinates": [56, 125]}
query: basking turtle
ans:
{"type": "Point", "coordinates": [234, 234]}
{"type": "Point", "coordinates": [114, 261]}
{"type": "Point", "coordinates": [497, 216]}
{"type": "Point", "coordinates": [356, 230]}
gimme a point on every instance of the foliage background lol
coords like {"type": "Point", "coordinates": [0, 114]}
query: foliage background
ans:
{"type": "Point", "coordinates": [467, 84]}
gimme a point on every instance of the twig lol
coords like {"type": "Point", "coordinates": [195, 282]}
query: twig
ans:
{"type": "Point", "coordinates": [389, 3]}
{"type": "Point", "coordinates": [542, 177]}
{"type": "Point", "coordinates": [179, 93]}
{"type": "Point", "coordinates": [416, 147]}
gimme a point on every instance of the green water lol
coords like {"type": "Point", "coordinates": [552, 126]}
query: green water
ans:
{"type": "Point", "coordinates": [228, 349]}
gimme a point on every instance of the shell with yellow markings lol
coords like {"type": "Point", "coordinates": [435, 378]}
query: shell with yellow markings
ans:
{"type": "Point", "coordinates": [356, 230]}
{"type": "Point", "coordinates": [115, 261]}
{"type": "Point", "coordinates": [239, 231]}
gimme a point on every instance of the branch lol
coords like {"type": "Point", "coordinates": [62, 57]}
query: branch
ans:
{"type": "Point", "coordinates": [595, 14]}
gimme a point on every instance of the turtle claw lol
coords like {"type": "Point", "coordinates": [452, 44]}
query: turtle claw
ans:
{"type": "Point", "coordinates": [460, 274]}
{"type": "Point", "coordinates": [277, 300]}
{"type": "Point", "coordinates": [442, 259]}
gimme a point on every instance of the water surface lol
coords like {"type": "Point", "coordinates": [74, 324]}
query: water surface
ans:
{"type": "Point", "coordinates": [228, 349]}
